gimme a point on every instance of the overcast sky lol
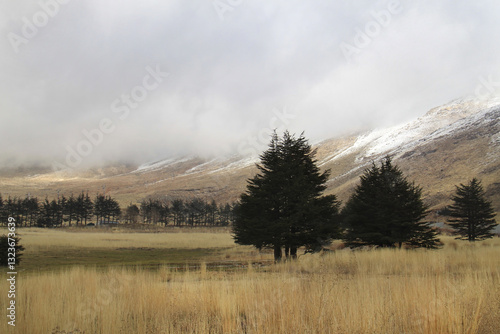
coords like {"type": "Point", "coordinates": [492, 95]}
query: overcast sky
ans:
{"type": "Point", "coordinates": [163, 78]}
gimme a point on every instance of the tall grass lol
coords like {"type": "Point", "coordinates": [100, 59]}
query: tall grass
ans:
{"type": "Point", "coordinates": [452, 290]}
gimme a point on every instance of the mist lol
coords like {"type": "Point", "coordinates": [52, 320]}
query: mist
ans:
{"type": "Point", "coordinates": [96, 82]}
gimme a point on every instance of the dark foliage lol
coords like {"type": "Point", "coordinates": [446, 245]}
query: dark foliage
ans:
{"type": "Point", "coordinates": [386, 210]}
{"type": "Point", "coordinates": [81, 210]}
{"type": "Point", "coordinates": [283, 206]}
{"type": "Point", "coordinates": [472, 214]}
{"type": "Point", "coordinates": [6, 244]}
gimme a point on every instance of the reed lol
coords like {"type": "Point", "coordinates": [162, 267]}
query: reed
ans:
{"type": "Point", "coordinates": [452, 290]}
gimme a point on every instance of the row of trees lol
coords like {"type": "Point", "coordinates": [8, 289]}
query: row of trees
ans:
{"type": "Point", "coordinates": [32, 212]}
{"type": "Point", "coordinates": [284, 206]}
{"type": "Point", "coordinates": [179, 212]}
{"type": "Point", "coordinates": [82, 210]}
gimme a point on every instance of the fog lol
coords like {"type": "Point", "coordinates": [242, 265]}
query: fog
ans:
{"type": "Point", "coordinates": [96, 82]}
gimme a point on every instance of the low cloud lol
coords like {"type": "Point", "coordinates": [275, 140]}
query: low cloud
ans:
{"type": "Point", "coordinates": [229, 68]}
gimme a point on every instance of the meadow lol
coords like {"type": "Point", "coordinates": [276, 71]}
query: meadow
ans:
{"type": "Point", "coordinates": [117, 281]}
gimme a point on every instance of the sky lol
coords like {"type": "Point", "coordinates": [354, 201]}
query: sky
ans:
{"type": "Point", "coordinates": [95, 82]}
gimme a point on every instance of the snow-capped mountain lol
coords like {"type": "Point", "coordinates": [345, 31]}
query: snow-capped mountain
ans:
{"type": "Point", "coordinates": [446, 146]}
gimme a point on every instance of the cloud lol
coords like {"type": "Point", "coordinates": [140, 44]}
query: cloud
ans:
{"type": "Point", "coordinates": [226, 76]}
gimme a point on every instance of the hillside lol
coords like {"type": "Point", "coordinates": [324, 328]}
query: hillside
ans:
{"type": "Point", "coordinates": [447, 145]}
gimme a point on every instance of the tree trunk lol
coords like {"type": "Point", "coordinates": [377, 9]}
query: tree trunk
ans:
{"type": "Point", "coordinates": [287, 252]}
{"type": "Point", "coordinates": [277, 254]}
{"type": "Point", "coordinates": [293, 253]}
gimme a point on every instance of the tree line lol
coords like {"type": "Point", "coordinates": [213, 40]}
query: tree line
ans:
{"type": "Point", "coordinates": [284, 207]}
{"type": "Point", "coordinates": [180, 212]}
{"type": "Point", "coordinates": [82, 210]}
{"type": "Point", "coordinates": [30, 211]}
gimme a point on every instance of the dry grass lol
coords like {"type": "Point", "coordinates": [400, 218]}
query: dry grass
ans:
{"type": "Point", "coordinates": [452, 290]}
{"type": "Point", "coordinates": [37, 238]}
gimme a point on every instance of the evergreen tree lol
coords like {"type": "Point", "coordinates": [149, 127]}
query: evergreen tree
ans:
{"type": "Point", "coordinates": [32, 209]}
{"type": "Point", "coordinates": [472, 215]}
{"type": "Point", "coordinates": [387, 210]}
{"type": "Point", "coordinates": [106, 209]}
{"type": "Point", "coordinates": [62, 201]}
{"type": "Point", "coordinates": [6, 245]}
{"type": "Point", "coordinates": [3, 214]}
{"type": "Point", "coordinates": [113, 210]}
{"type": "Point", "coordinates": [100, 208]}
{"type": "Point", "coordinates": [87, 208]}
{"type": "Point", "coordinates": [69, 209]}
{"type": "Point", "coordinates": [211, 210]}
{"type": "Point", "coordinates": [51, 214]}
{"type": "Point", "coordinates": [225, 214]}
{"type": "Point", "coordinates": [178, 210]}
{"type": "Point", "coordinates": [21, 212]}
{"type": "Point", "coordinates": [12, 209]}
{"type": "Point", "coordinates": [283, 206]}
{"type": "Point", "coordinates": [195, 210]}
{"type": "Point", "coordinates": [132, 213]}
{"type": "Point", "coordinates": [164, 212]}
{"type": "Point", "coordinates": [84, 208]}
{"type": "Point", "coordinates": [151, 210]}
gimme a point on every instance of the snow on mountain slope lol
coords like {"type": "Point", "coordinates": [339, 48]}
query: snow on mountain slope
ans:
{"type": "Point", "coordinates": [154, 166]}
{"type": "Point", "coordinates": [396, 141]}
{"type": "Point", "coordinates": [437, 122]}
{"type": "Point", "coordinates": [194, 165]}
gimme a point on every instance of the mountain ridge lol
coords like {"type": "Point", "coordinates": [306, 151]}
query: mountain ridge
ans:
{"type": "Point", "coordinates": [445, 146]}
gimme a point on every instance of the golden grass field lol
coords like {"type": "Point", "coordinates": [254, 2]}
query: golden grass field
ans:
{"type": "Point", "coordinates": [452, 290]}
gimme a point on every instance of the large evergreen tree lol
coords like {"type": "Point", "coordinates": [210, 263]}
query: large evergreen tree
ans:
{"type": "Point", "coordinates": [472, 215]}
{"type": "Point", "coordinates": [386, 210]}
{"type": "Point", "coordinates": [283, 206]}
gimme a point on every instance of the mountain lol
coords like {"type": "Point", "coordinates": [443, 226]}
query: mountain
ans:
{"type": "Point", "coordinates": [446, 146]}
